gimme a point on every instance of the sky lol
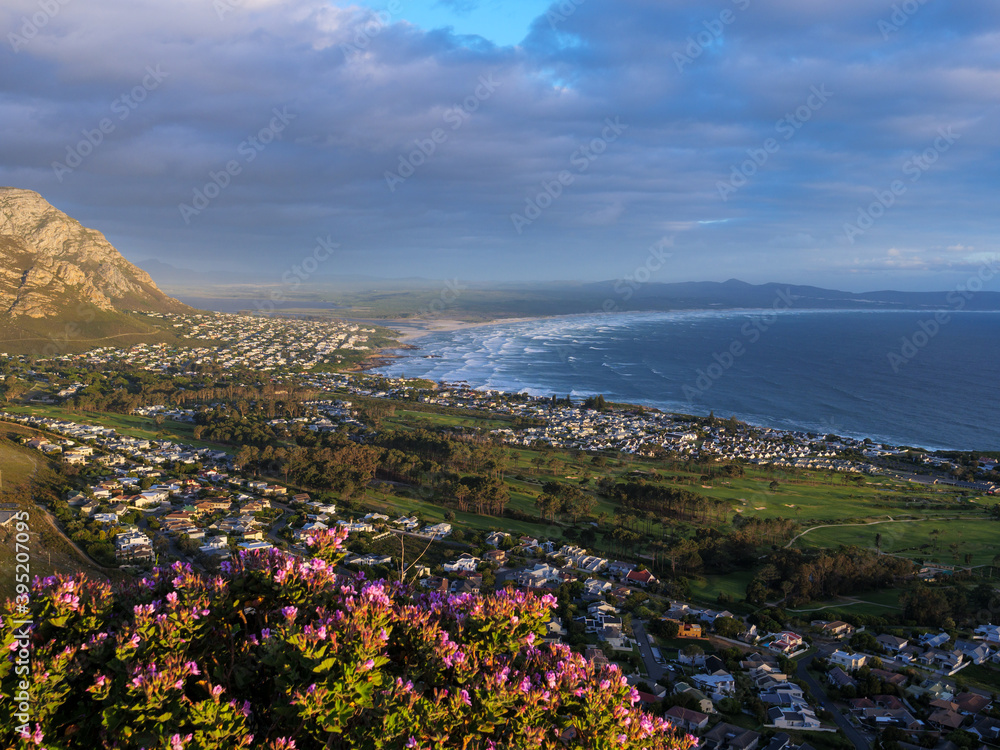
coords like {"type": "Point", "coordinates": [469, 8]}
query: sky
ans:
{"type": "Point", "coordinates": [850, 144]}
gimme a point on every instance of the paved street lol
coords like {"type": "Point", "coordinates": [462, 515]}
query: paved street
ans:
{"type": "Point", "coordinates": [654, 670]}
{"type": "Point", "coordinates": [852, 733]}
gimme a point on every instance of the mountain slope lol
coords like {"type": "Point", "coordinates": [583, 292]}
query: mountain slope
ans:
{"type": "Point", "coordinates": [62, 281]}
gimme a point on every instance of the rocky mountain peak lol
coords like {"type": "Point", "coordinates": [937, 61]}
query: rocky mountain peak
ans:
{"type": "Point", "coordinates": [50, 262]}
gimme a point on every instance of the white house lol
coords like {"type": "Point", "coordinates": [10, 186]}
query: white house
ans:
{"type": "Point", "coordinates": [847, 661]}
{"type": "Point", "coordinates": [719, 685]}
{"type": "Point", "coordinates": [437, 531]}
{"type": "Point", "coordinates": [988, 633]}
{"type": "Point", "coordinates": [465, 564]}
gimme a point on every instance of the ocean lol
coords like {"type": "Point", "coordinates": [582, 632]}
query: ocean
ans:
{"type": "Point", "coordinates": [903, 378]}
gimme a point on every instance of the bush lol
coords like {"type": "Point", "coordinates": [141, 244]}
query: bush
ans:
{"type": "Point", "coordinates": [279, 652]}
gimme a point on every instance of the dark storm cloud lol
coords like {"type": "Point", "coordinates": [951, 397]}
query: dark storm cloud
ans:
{"type": "Point", "coordinates": [751, 132]}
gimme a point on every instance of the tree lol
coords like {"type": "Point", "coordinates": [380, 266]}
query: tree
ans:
{"type": "Point", "coordinates": [728, 627]}
{"type": "Point", "coordinates": [865, 641]}
{"type": "Point", "coordinates": [665, 628]}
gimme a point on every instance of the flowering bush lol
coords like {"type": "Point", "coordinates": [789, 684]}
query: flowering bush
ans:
{"type": "Point", "coordinates": [282, 653]}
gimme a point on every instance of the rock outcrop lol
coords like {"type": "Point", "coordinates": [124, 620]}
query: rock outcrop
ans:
{"type": "Point", "coordinates": [50, 264]}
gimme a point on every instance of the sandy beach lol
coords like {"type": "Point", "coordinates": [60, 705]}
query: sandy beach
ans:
{"type": "Point", "coordinates": [413, 329]}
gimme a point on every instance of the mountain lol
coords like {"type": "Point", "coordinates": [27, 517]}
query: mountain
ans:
{"type": "Point", "coordinates": [62, 281]}
{"type": "Point", "coordinates": [739, 294]}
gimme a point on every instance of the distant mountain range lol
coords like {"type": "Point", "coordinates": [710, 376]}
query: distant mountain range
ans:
{"type": "Point", "coordinates": [737, 294]}
{"type": "Point", "coordinates": [63, 285]}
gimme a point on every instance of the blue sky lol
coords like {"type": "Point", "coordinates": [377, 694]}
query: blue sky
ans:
{"type": "Point", "coordinates": [503, 23]}
{"type": "Point", "coordinates": [853, 144]}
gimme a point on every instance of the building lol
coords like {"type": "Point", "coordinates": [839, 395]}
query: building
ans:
{"type": "Point", "coordinates": [892, 643]}
{"type": "Point", "coordinates": [837, 628]}
{"type": "Point", "coordinates": [641, 578]}
{"type": "Point", "coordinates": [133, 547]}
{"type": "Point", "coordinates": [687, 630]}
{"type": "Point", "coordinates": [787, 642]}
{"type": "Point", "coordinates": [839, 678]}
{"type": "Point", "coordinates": [437, 531]}
{"type": "Point", "coordinates": [787, 718]}
{"type": "Point", "coordinates": [848, 661]}
{"type": "Point", "coordinates": [685, 718]}
{"type": "Point", "coordinates": [729, 737]}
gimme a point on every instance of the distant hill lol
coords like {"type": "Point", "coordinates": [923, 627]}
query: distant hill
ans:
{"type": "Point", "coordinates": [65, 284]}
{"type": "Point", "coordinates": [736, 294]}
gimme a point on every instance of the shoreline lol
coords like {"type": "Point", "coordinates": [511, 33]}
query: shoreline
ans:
{"type": "Point", "coordinates": [418, 328]}
{"type": "Point", "coordinates": [413, 330]}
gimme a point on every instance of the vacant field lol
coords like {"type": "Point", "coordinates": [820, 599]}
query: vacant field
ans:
{"type": "Point", "coordinates": [18, 465]}
{"type": "Point", "coordinates": [28, 476]}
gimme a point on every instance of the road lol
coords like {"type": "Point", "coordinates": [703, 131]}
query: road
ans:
{"type": "Point", "coordinates": [851, 732]}
{"type": "Point", "coordinates": [654, 670]}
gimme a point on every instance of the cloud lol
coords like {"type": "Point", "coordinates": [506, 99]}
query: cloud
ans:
{"type": "Point", "coordinates": [369, 89]}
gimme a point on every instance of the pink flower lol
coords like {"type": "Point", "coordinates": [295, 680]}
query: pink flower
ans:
{"type": "Point", "coordinates": [368, 665]}
{"type": "Point", "coordinates": [465, 697]}
{"type": "Point", "coordinates": [35, 737]}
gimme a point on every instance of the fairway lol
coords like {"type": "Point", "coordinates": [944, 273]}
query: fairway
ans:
{"type": "Point", "coordinates": [808, 496]}
{"type": "Point", "coordinates": [953, 540]}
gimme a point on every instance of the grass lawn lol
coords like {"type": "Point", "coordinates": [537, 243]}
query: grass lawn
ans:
{"type": "Point", "coordinates": [976, 535]}
{"type": "Point", "coordinates": [981, 675]}
{"type": "Point", "coordinates": [708, 588]}
{"type": "Point", "coordinates": [126, 424]}
{"type": "Point", "coordinates": [430, 420]}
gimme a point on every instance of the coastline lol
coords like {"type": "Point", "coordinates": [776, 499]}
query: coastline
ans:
{"type": "Point", "coordinates": [412, 331]}
{"type": "Point", "coordinates": [417, 328]}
